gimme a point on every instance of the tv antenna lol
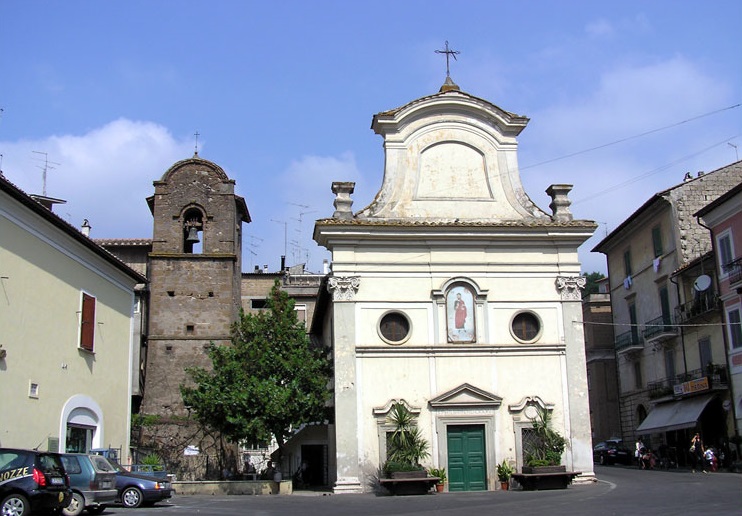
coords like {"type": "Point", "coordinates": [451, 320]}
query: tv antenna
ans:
{"type": "Point", "coordinates": [736, 152]}
{"type": "Point", "coordinates": [285, 236]}
{"type": "Point", "coordinates": [45, 167]}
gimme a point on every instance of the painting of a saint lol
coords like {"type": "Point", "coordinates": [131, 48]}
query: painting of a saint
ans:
{"type": "Point", "coordinates": [460, 314]}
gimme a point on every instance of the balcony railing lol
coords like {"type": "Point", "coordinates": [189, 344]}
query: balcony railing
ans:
{"type": "Point", "coordinates": [734, 270]}
{"type": "Point", "coordinates": [628, 341]}
{"type": "Point", "coordinates": [660, 328]}
{"type": "Point", "coordinates": [703, 304]}
{"type": "Point", "coordinates": [716, 374]}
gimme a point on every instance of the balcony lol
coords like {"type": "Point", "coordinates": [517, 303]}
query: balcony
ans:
{"type": "Point", "coordinates": [703, 304]}
{"type": "Point", "coordinates": [659, 329]}
{"type": "Point", "coordinates": [716, 374]}
{"type": "Point", "coordinates": [734, 270]}
{"type": "Point", "coordinates": [628, 341]}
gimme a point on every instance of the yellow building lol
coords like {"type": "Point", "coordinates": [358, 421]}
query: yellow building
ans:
{"type": "Point", "coordinates": [66, 312]}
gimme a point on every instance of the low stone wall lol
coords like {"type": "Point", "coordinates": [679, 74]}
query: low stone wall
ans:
{"type": "Point", "coordinates": [233, 487]}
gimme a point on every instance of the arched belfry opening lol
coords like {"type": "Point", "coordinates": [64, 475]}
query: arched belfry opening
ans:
{"type": "Point", "coordinates": [193, 231]}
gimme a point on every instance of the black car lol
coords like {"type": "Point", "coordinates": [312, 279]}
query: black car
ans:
{"type": "Point", "coordinates": [135, 489]}
{"type": "Point", "coordinates": [32, 481]}
{"type": "Point", "coordinates": [611, 452]}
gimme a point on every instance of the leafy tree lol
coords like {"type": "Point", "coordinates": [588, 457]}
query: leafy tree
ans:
{"type": "Point", "coordinates": [406, 444]}
{"type": "Point", "coordinates": [268, 381]}
{"type": "Point", "coordinates": [591, 286]}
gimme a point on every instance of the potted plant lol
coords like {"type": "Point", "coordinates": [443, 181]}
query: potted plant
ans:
{"type": "Point", "coordinates": [545, 453]}
{"type": "Point", "coordinates": [406, 445]}
{"type": "Point", "coordinates": [504, 472]}
{"type": "Point", "coordinates": [441, 474]}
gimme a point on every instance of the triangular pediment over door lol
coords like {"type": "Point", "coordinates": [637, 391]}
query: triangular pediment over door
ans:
{"type": "Point", "coordinates": [466, 396]}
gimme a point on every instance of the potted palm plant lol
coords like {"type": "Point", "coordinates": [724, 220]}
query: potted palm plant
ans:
{"type": "Point", "coordinates": [441, 474]}
{"type": "Point", "coordinates": [545, 453]}
{"type": "Point", "coordinates": [406, 445]}
{"type": "Point", "coordinates": [504, 472]}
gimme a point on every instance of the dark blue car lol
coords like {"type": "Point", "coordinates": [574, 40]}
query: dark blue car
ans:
{"type": "Point", "coordinates": [135, 489]}
{"type": "Point", "coordinates": [32, 481]}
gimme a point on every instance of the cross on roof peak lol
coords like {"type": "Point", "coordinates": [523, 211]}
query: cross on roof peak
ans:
{"type": "Point", "coordinates": [449, 53]}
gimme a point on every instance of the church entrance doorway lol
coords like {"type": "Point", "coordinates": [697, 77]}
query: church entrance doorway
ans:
{"type": "Point", "coordinates": [467, 464]}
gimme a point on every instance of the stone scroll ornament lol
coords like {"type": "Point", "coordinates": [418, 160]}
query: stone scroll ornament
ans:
{"type": "Point", "coordinates": [570, 286]}
{"type": "Point", "coordinates": [343, 288]}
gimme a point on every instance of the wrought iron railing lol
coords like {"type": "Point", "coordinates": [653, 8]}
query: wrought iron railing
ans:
{"type": "Point", "coordinates": [702, 304]}
{"type": "Point", "coordinates": [734, 270]}
{"type": "Point", "coordinates": [716, 374]}
{"type": "Point", "coordinates": [626, 340]}
{"type": "Point", "coordinates": [659, 325]}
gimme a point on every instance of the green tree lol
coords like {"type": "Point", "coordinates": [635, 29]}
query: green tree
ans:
{"type": "Point", "coordinates": [270, 380]}
{"type": "Point", "coordinates": [591, 286]}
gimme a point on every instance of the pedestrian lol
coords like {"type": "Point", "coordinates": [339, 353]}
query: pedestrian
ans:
{"type": "Point", "coordinates": [639, 451]}
{"type": "Point", "coordinates": [697, 454]}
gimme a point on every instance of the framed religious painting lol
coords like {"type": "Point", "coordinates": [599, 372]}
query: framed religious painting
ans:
{"type": "Point", "coordinates": [460, 314]}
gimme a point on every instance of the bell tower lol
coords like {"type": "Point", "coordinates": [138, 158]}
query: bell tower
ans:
{"type": "Point", "coordinates": [195, 273]}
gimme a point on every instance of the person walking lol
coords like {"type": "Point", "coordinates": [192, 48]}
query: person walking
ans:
{"type": "Point", "coordinates": [697, 454]}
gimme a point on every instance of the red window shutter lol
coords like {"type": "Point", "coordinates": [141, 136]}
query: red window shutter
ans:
{"type": "Point", "coordinates": [87, 322]}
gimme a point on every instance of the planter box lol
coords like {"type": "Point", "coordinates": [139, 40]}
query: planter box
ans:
{"type": "Point", "coordinates": [538, 470]}
{"type": "Point", "coordinates": [541, 480]}
{"type": "Point", "coordinates": [410, 474]}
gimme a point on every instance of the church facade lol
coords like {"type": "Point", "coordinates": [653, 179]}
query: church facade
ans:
{"type": "Point", "coordinates": [453, 294]}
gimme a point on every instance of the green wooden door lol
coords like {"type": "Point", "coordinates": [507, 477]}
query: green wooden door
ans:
{"type": "Point", "coordinates": [467, 466]}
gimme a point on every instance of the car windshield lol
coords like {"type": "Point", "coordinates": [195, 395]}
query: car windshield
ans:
{"type": "Point", "coordinates": [102, 464]}
{"type": "Point", "coordinates": [118, 467]}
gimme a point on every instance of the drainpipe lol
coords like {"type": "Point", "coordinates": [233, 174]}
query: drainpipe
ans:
{"type": "Point", "coordinates": [725, 322]}
{"type": "Point", "coordinates": [682, 332]}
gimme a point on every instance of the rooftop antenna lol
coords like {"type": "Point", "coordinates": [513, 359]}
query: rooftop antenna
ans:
{"type": "Point", "coordinates": [45, 168]}
{"type": "Point", "coordinates": [285, 236]}
{"type": "Point", "coordinates": [196, 134]}
{"type": "Point", "coordinates": [736, 152]}
{"type": "Point", "coordinates": [253, 245]}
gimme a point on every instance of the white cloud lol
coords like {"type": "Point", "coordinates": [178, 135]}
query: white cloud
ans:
{"type": "Point", "coordinates": [104, 175]}
{"type": "Point", "coordinates": [599, 28]}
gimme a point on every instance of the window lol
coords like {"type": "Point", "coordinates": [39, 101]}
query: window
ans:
{"type": "Point", "coordinates": [193, 227]}
{"type": "Point", "coordinates": [301, 313]}
{"type": "Point", "coordinates": [638, 375]}
{"type": "Point", "coordinates": [704, 352]}
{"type": "Point", "coordinates": [526, 326]}
{"type": "Point", "coordinates": [394, 327]}
{"type": "Point", "coordinates": [724, 244]}
{"type": "Point", "coordinates": [735, 329]}
{"type": "Point", "coordinates": [627, 262]}
{"type": "Point", "coordinates": [670, 363]}
{"type": "Point", "coordinates": [657, 241]}
{"type": "Point", "coordinates": [87, 322]}
{"type": "Point", "coordinates": [634, 325]}
{"type": "Point", "coordinates": [257, 304]}
{"type": "Point", "coordinates": [33, 390]}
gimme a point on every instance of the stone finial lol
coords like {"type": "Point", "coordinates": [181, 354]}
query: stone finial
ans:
{"type": "Point", "coordinates": [343, 202]}
{"type": "Point", "coordinates": [560, 202]}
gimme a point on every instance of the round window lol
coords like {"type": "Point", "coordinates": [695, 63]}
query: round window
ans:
{"type": "Point", "coordinates": [394, 327]}
{"type": "Point", "coordinates": [526, 326]}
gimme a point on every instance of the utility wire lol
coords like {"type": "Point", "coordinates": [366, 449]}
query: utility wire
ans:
{"type": "Point", "coordinates": [631, 137]}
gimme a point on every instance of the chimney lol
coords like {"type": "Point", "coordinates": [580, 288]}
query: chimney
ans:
{"type": "Point", "coordinates": [283, 262]}
{"type": "Point", "coordinates": [257, 269]}
{"type": "Point", "coordinates": [325, 267]}
{"type": "Point", "coordinates": [85, 228]}
{"type": "Point", "coordinates": [701, 173]}
{"type": "Point", "coordinates": [688, 177]}
{"type": "Point", "coordinates": [265, 268]}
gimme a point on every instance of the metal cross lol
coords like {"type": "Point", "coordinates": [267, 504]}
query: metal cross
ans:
{"type": "Point", "coordinates": [196, 134]}
{"type": "Point", "coordinates": [448, 53]}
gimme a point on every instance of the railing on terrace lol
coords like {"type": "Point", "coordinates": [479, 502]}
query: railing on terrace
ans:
{"type": "Point", "coordinates": [734, 270]}
{"type": "Point", "coordinates": [716, 374]}
{"type": "Point", "coordinates": [703, 304]}
{"type": "Point", "coordinates": [627, 340]}
{"type": "Point", "coordinates": [658, 326]}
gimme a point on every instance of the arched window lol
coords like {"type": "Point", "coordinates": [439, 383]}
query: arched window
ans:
{"type": "Point", "coordinates": [193, 227]}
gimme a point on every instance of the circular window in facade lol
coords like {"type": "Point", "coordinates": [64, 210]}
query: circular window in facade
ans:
{"type": "Point", "coordinates": [526, 327]}
{"type": "Point", "coordinates": [394, 327]}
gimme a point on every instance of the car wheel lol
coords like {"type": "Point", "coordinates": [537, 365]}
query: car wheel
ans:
{"type": "Point", "coordinates": [97, 510]}
{"type": "Point", "coordinates": [15, 505]}
{"type": "Point", "coordinates": [76, 506]}
{"type": "Point", "coordinates": [131, 498]}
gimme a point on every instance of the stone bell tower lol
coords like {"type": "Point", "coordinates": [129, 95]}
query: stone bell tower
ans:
{"type": "Point", "coordinates": [195, 271]}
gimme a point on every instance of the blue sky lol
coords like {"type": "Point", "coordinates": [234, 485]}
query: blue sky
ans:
{"type": "Point", "coordinates": [283, 93]}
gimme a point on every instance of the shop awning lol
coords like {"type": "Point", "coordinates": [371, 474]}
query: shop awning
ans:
{"type": "Point", "coordinates": [674, 415]}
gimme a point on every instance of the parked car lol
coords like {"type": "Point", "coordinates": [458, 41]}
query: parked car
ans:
{"type": "Point", "coordinates": [135, 489]}
{"type": "Point", "coordinates": [611, 452]}
{"type": "Point", "coordinates": [32, 481]}
{"type": "Point", "coordinates": [93, 483]}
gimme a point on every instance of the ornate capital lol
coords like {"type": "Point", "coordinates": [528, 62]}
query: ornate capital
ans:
{"type": "Point", "coordinates": [569, 287]}
{"type": "Point", "coordinates": [343, 288]}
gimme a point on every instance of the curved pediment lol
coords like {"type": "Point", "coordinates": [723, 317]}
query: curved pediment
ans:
{"type": "Point", "coordinates": [465, 396]}
{"type": "Point", "coordinates": [451, 157]}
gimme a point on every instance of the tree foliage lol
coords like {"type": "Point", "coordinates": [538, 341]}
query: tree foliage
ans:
{"type": "Point", "coordinates": [591, 285]}
{"type": "Point", "coordinates": [406, 444]}
{"type": "Point", "coordinates": [268, 381]}
{"type": "Point", "coordinates": [549, 444]}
